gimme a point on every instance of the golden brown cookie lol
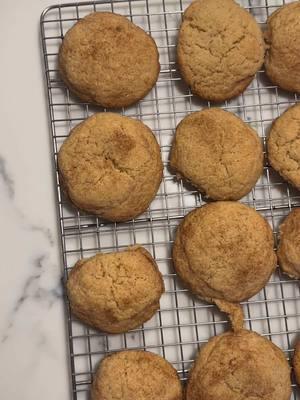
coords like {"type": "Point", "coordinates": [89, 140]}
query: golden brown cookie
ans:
{"type": "Point", "coordinates": [218, 153]}
{"type": "Point", "coordinates": [282, 59]}
{"type": "Point", "coordinates": [107, 60]}
{"type": "Point", "coordinates": [136, 375]}
{"type": "Point", "coordinates": [284, 145]}
{"type": "Point", "coordinates": [115, 292]}
{"type": "Point", "coordinates": [223, 251]}
{"type": "Point", "coordinates": [239, 366]}
{"type": "Point", "coordinates": [220, 49]}
{"type": "Point", "coordinates": [296, 362]}
{"type": "Point", "coordinates": [289, 245]}
{"type": "Point", "coordinates": [110, 165]}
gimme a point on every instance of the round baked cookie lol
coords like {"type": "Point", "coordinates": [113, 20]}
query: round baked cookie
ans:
{"type": "Point", "coordinates": [115, 292]}
{"type": "Point", "coordinates": [136, 375]}
{"type": "Point", "coordinates": [220, 49]}
{"type": "Point", "coordinates": [284, 145]}
{"type": "Point", "coordinates": [282, 59]}
{"type": "Point", "coordinates": [107, 60]}
{"type": "Point", "coordinates": [110, 165]}
{"type": "Point", "coordinates": [224, 251]}
{"type": "Point", "coordinates": [296, 362]}
{"type": "Point", "coordinates": [218, 153]}
{"type": "Point", "coordinates": [235, 366]}
{"type": "Point", "coordinates": [289, 245]}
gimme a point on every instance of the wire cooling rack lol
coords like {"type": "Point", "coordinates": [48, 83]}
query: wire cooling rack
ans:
{"type": "Point", "coordinates": [183, 323]}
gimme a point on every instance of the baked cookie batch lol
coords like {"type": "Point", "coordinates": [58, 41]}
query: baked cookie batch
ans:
{"type": "Point", "coordinates": [111, 166]}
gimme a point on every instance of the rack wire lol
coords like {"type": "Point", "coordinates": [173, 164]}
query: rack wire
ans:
{"type": "Point", "coordinates": [183, 323]}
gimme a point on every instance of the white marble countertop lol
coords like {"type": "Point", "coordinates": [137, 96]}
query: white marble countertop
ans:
{"type": "Point", "coordinates": [32, 345]}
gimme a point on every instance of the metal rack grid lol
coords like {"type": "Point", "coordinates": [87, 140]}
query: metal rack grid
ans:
{"type": "Point", "coordinates": [183, 323]}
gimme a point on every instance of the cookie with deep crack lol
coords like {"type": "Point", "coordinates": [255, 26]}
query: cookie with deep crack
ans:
{"type": "Point", "coordinates": [110, 165]}
{"type": "Point", "coordinates": [115, 292]}
{"type": "Point", "coordinates": [136, 375]}
{"type": "Point", "coordinates": [107, 60]}
{"type": "Point", "coordinates": [284, 145]}
{"type": "Point", "coordinates": [220, 49]}
{"type": "Point", "coordinates": [235, 366]}
{"type": "Point", "coordinates": [282, 59]}
{"type": "Point", "coordinates": [296, 362]}
{"type": "Point", "coordinates": [289, 245]}
{"type": "Point", "coordinates": [218, 153]}
{"type": "Point", "coordinates": [223, 252]}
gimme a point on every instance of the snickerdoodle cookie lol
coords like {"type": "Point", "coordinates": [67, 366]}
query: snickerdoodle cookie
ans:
{"type": "Point", "coordinates": [218, 153]}
{"type": "Point", "coordinates": [284, 145]}
{"type": "Point", "coordinates": [239, 366]}
{"type": "Point", "coordinates": [289, 245]}
{"type": "Point", "coordinates": [136, 375]}
{"type": "Point", "coordinates": [110, 165]}
{"type": "Point", "coordinates": [107, 60]}
{"type": "Point", "coordinates": [282, 59]}
{"type": "Point", "coordinates": [115, 292]}
{"type": "Point", "coordinates": [223, 251]}
{"type": "Point", "coordinates": [296, 362]}
{"type": "Point", "coordinates": [220, 48]}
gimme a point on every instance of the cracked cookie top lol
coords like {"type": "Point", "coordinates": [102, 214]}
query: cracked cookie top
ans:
{"type": "Point", "coordinates": [107, 60]}
{"type": "Point", "coordinates": [220, 48]}
{"type": "Point", "coordinates": [224, 251]}
{"type": "Point", "coordinates": [110, 165]}
{"type": "Point", "coordinates": [282, 59]}
{"type": "Point", "coordinates": [218, 153]}
{"type": "Point", "coordinates": [289, 245]}
{"type": "Point", "coordinates": [136, 375]}
{"type": "Point", "coordinates": [284, 145]}
{"type": "Point", "coordinates": [115, 292]}
{"type": "Point", "coordinates": [236, 366]}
